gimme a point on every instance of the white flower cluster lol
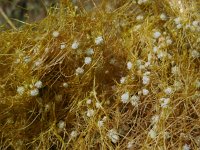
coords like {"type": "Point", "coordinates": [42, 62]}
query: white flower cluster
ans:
{"type": "Point", "coordinates": [163, 17]}
{"type": "Point", "coordinates": [164, 102]}
{"type": "Point", "coordinates": [195, 54]}
{"type": "Point", "coordinates": [100, 123]}
{"type": "Point", "coordinates": [65, 85]}
{"type": "Point", "coordinates": [175, 70]}
{"type": "Point", "coordinates": [89, 101]}
{"type": "Point", "coordinates": [186, 147]}
{"type": "Point", "coordinates": [130, 144]}
{"type": "Point", "coordinates": [98, 105]}
{"type": "Point", "coordinates": [99, 40]}
{"type": "Point", "coordinates": [139, 17]}
{"type": "Point", "coordinates": [55, 34]}
{"type": "Point", "coordinates": [20, 90]}
{"type": "Point", "coordinates": [38, 85]}
{"type": "Point", "coordinates": [88, 60]}
{"type": "Point", "coordinates": [140, 2]}
{"type": "Point", "coordinates": [113, 135]}
{"type": "Point", "coordinates": [145, 79]}
{"type": "Point", "coordinates": [129, 65]}
{"type": "Point", "coordinates": [123, 80]}
{"type": "Point", "coordinates": [168, 91]}
{"type": "Point", "coordinates": [61, 124]}
{"type": "Point", "coordinates": [125, 97]}
{"type": "Point", "coordinates": [178, 23]}
{"type": "Point", "coordinates": [152, 133]}
{"type": "Point", "coordinates": [79, 71]}
{"type": "Point", "coordinates": [156, 34]}
{"type": "Point", "coordinates": [134, 100]}
{"type": "Point", "coordinates": [34, 92]}
{"type": "Point", "coordinates": [145, 91]}
{"type": "Point", "coordinates": [62, 46]}
{"type": "Point", "coordinates": [89, 51]}
{"type": "Point", "coordinates": [155, 119]}
{"type": "Point", "coordinates": [74, 134]}
{"type": "Point", "coordinates": [75, 44]}
{"type": "Point", "coordinates": [90, 112]}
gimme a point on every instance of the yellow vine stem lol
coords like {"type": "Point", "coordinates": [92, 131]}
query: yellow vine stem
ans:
{"type": "Point", "coordinates": [7, 19]}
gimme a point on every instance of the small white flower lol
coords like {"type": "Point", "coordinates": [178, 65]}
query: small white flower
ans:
{"type": "Point", "coordinates": [20, 90]}
{"type": "Point", "coordinates": [113, 135]}
{"type": "Point", "coordinates": [164, 102]}
{"type": "Point", "coordinates": [156, 34]}
{"type": "Point", "coordinates": [125, 97]}
{"type": "Point", "coordinates": [167, 135]}
{"type": "Point", "coordinates": [73, 134]}
{"type": "Point", "coordinates": [145, 80]}
{"type": "Point", "coordinates": [79, 71]}
{"type": "Point", "coordinates": [122, 80]}
{"type": "Point", "coordinates": [186, 147]}
{"type": "Point", "coordinates": [38, 84]}
{"type": "Point", "coordinates": [90, 112]}
{"type": "Point", "coordinates": [55, 34]}
{"type": "Point", "coordinates": [62, 46]}
{"type": "Point", "coordinates": [147, 73]}
{"type": "Point", "coordinates": [155, 119]}
{"type": "Point", "coordinates": [65, 85]}
{"type": "Point", "coordinates": [129, 65]}
{"type": "Point", "coordinates": [61, 124]}
{"type": "Point", "coordinates": [179, 26]}
{"type": "Point", "coordinates": [104, 118]}
{"type": "Point", "coordinates": [130, 144]}
{"type": "Point", "coordinates": [141, 67]}
{"type": "Point", "coordinates": [152, 134]}
{"type": "Point", "coordinates": [89, 101]}
{"type": "Point", "coordinates": [155, 49]}
{"type": "Point", "coordinates": [89, 51]}
{"type": "Point", "coordinates": [163, 16]}
{"type": "Point", "coordinates": [98, 105]}
{"type": "Point", "coordinates": [75, 44]}
{"type": "Point", "coordinates": [139, 17]}
{"type": "Point", "coordinates": [145, 92]}
{"type": "Point", "coordinates": [195, 54]}
{"type": "Point", "coordinates": [98, 40]}
{"type": "Point", "coordinates": [34, 92]}
{"type": "Point", "coordinates": [88, 60]}
{"type": "Point", "coordinates": [161, 54]}
{"type": "Point", "coordinates": [27, 59]}
{"type": "Point", "coordinates": [169, 41]}
{"type": "Point", "coordinates": [135, 100]}
{"type": "Point", "coordinates": [196, 23]}
{"type": "Point", "coordinates": [142, 1]}
{"type": "Point", "coordinates": [100, 123]}
{"type": "Point", "coordinates": [168, 90]}
{"type": "Point", "coordinates": [38, 63]}
{"type": "Point", "coordinates": [175, 70]}
{"type": "Point", "coordinates": [177, 20]}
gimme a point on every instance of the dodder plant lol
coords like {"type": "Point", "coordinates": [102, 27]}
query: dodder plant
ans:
{"type": "Point", "coordinates": [121, 76]}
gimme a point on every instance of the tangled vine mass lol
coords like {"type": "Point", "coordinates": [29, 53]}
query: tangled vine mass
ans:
{"type": "Point", "coordinates": [118, 75]}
